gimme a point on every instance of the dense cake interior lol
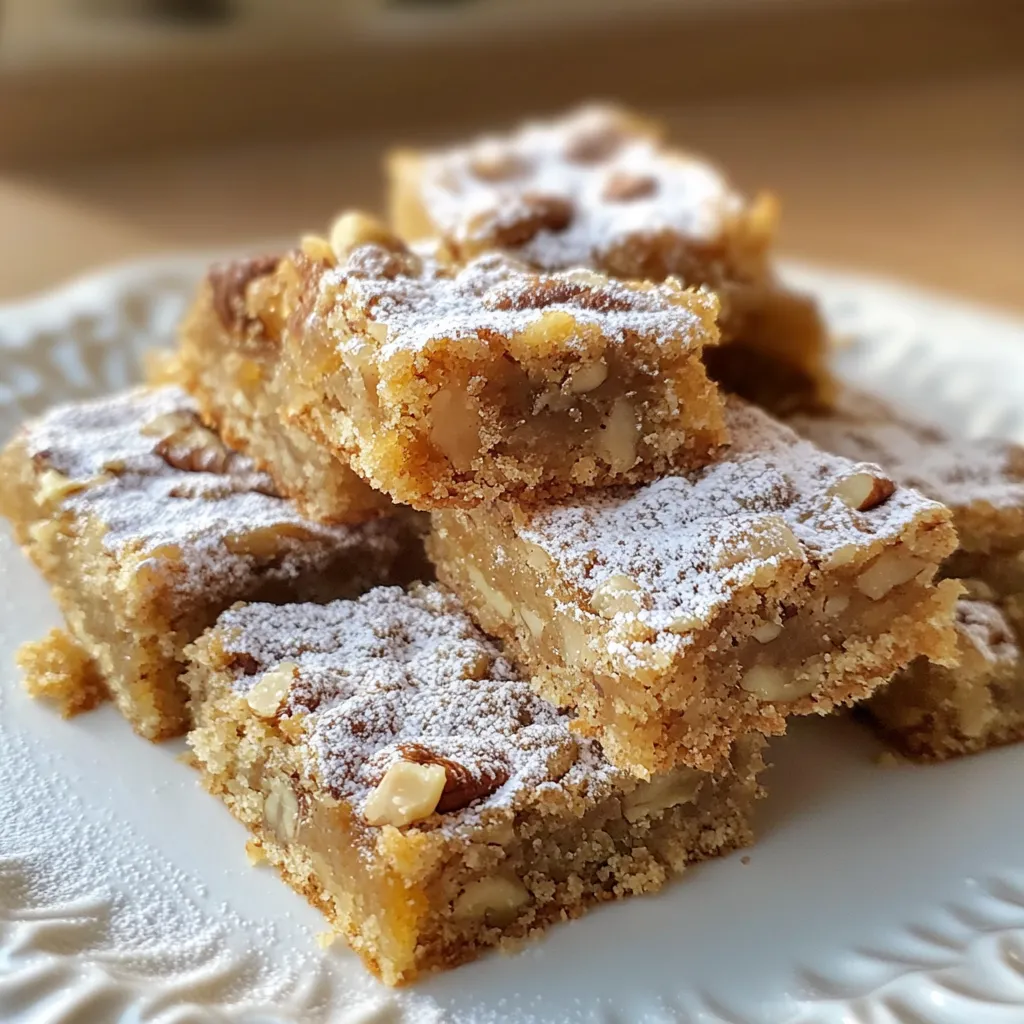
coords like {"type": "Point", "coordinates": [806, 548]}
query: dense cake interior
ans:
{"type": "Point", "coordinates": [779, 580]}
{"type": "Point", "coordinates": [453, 385]}
{"type": "Point", "coordinates": [931, 712]}
{"type": "Point", "coordinates": [229, 358]}
{"type": "Point", "coordinates": [310, 717]}
{"type": "Point", "coordinates": [147, 526]}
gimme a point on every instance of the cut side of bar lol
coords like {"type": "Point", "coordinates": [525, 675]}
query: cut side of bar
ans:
{"type": "Point", "coordinates": [400, 774]}
{"type": "Point", "coordinates": [445, 385]}
{"type": "Point", "coordinates": [147, 527]}
{"type": "Point", "coordinates": [674, 617]}
{"type": "Point", "coordinates": [228, 359]}
{"type": "Point", "coordinates": [600, 188]}
{"type": "Point", "coordinates": [931, 712]}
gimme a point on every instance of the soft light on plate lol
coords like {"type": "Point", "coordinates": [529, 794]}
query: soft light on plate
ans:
{"type": "Point", "coordinates": [875, 895]}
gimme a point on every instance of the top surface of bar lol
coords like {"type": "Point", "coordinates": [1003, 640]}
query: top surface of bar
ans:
{"type": "Point", "coordinates": [590, 180]}
{"type": "Point", "coordinates": [954, 471]}
{"type": "Point", "coordinates": [396, 670]}
{"type": "Point", "coordinates": [419, 302]}
{"type": "Point", "coordinates": [690, 541]}
{"type": "Point", "coordinates": [144, 465]}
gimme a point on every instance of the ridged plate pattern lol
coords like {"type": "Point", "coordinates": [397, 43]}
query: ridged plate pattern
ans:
{"type": "Point", "coordinates": [875, 895]}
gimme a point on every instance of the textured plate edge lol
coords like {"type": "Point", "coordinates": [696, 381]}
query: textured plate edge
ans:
{"type": "Point", "coordinates": [945, 968]}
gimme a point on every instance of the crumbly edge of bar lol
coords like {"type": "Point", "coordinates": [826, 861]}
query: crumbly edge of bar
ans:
{"type": "Point", "coordinates": [980, 480]}
{"type": "Point", "coordinates": [388, 459]}
{"type": "Point", "coordinates": [400, 447]}
{"type": "Point", "coordinates": [235, 751]}
{"type": "Point", "coordinates": [233, 372]}
{"type": "Point", "coordinates": [931, 713]}
{"type": "Point", "coordinates": [59, 670]}
{"type": "Point", "coordinates": [134, 607]}
{"type": "Point", "coordinates": [653, 732]}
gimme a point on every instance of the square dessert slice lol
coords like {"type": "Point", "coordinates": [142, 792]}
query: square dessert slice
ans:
{"type": "Point", "coordinates": [147, 527]}
{"type": "Point", "coordinates": [599, 188]}
{"type": "Point", "coordinates": [678, 615]}
{"type": "Point", "coordinates": [228, 360]}
{"type": "Point", "coordinates": [931, 712]}
{"type": "Point", "coordinates": [447, 385]}
{"type": "Point", "coordinates": [400, 775]}
{"type": "Point", "coordinates": [981, 481]}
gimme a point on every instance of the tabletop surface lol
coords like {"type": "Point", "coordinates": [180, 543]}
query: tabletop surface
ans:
{"type": "Point", "coordinates": [921, 180]}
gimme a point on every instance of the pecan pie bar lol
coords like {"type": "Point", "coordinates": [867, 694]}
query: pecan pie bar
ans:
{"type": "Point", "coordinates": [931, 712]}
{"type": "Point", "coordinates": [148, 527]}
{"type": "Point", "coordinates": [445, 385]}
{"type": "Point", "coordinates": [401, 776]}
{"type": "Point", "coordinates": [228, 359]}
{"type": "Point", "coordinates": [675, 616]}
{"type": "Point", "coordinates": [599, 188]}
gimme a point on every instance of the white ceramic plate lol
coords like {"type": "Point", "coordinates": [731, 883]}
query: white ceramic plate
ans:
{"type": "Point", "coordinates": [875, 895]}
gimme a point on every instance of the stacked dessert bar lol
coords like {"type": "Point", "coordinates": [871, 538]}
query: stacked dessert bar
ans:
{"type": "Point", "coordinates": [561, 368]}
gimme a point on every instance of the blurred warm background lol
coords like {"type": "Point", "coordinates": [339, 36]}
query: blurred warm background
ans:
{"type": "Point", "coordinates": [893, 130]}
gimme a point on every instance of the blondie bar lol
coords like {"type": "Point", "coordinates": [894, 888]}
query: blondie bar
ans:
{"type": "Point", "coordinates": [982, 483]}
{"type": "Point", "coordinates": [931, 712]}
{"type": "Point", "coordinates": [148, 527]}
{"type": "Point", "coordinates": [401, 776]}
{"type": "Point", "coordinates": [676, 616]}
{"type": "Point", "coordinates": [228, 360]}
{"type": "Point", "coordinates": [455, 385]}
{"type": "Point", "coordinates": [599, 188]}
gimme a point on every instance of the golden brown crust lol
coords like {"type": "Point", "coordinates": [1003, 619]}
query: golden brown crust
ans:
{"type": "Point", "coordinates": [231, 370]}
{"type": "Point", "coordinates": [147, 527]}
{"type": "Point", "coordinates": [539, 842]}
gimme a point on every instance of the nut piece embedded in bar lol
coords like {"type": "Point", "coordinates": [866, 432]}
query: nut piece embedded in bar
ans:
{"type": "Point", "coordinates": [463, 786]}
{"type": "Point", "coordinates": [864, 491]}
{"type": "Point", "coordinates": [353, 228]}
{"type": "Point", "coordinates": [650, 799]}
{"type": "Point", "coordinates": [268, 695]}
{"type": "Point", "coordinates": [497, 899]}
{"type": "Point", "coordinates": [408, 792]}
{"type": "Point", "coordinates": [622, 186]}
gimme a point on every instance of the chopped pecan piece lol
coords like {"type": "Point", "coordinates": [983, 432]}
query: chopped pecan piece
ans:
{"type": "Point", "coordinates": [463, 786]}
{"type": "Point", "coordinates": [622, 186]}
{"type": "Point", "coordinates": [552, 291]}
{"type": "Point", "coordinates": [535, 213]}
{"type": "Point", "coordinates": [229, 282]}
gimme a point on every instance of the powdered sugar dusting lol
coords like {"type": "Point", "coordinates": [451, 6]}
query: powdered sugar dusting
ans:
{"type": "Point", "coordinates": [494, 297]}
{"type": "Point", "coordinates": [985, 627]}
{"type": "Point", "coordinates": [577, 159]}
{"type": "Point", "coordinates": [692, 541]}
{"type": "Point", "coordinates": [149, 505]}
{"type": "Point", "coordinates": [955, 471]}
{"type": "Point", "coordinates": [396, 667]}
